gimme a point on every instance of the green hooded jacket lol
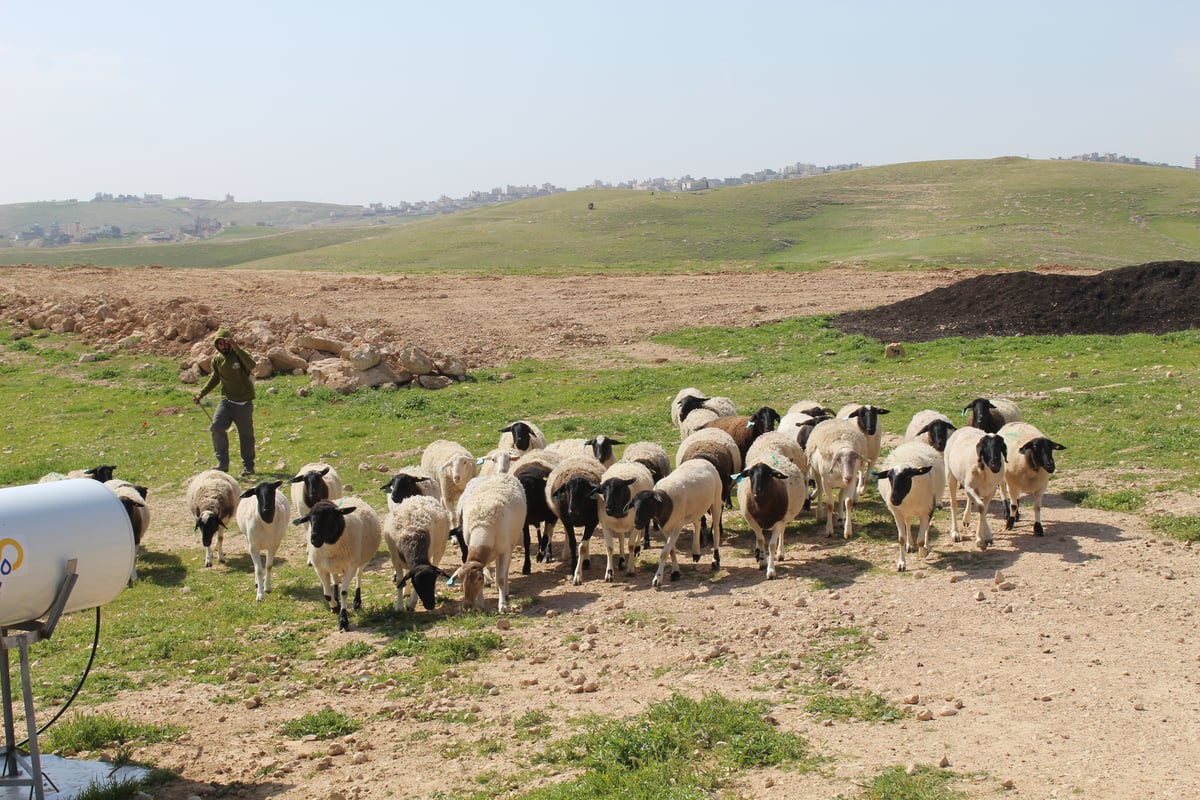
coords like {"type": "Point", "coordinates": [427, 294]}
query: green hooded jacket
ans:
{"type": "Point", "coordinates": [233, 370]}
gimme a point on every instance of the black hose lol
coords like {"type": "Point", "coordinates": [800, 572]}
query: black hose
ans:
{"type": "Point", "coordinates": [78, 686]}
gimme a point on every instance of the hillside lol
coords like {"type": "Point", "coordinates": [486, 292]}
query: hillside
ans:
{"type": "Point", "coordinates": [997, 213]}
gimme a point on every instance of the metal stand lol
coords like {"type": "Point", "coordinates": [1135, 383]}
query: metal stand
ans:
{"type": "Point", "coordinates": [30, 632]}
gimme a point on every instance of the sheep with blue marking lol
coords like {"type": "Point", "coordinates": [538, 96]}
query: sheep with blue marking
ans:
{"type": "Point", "coordinates": [452, 466]}
{"type": "Point", "coordinates": [1027, 471]}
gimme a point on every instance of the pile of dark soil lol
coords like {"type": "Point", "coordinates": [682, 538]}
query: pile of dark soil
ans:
{"type": "Point", "coordinates": [1148, 298]}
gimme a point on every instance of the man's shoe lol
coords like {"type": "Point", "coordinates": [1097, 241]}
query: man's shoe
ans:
{"type": "Point", "coordinates": [246, 473]}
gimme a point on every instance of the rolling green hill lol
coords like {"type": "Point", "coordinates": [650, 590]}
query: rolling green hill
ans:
{"type": "Point", "coordinates": [1007, 212]}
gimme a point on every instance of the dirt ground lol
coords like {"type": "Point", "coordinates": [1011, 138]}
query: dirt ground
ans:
{"type": "Point", "coordinates": [1073, 673]}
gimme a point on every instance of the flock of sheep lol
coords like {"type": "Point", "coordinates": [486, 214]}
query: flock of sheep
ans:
{"type": "Point", "coordinates": [776, 465]}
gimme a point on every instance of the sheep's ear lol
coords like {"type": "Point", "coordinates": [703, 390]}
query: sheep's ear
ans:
{"type": "Point", "coordinates": [142, 490]}
{"type": "Point", "coordinates": [630, 481]}
{"type": "Point", "coordinates": [247, 493]}
{"type": "Point", "coordinates": [324, 472]}
{"type": "Point", "coordinates": [297, 479]}
{"type": "Point", "coordinates": [1057, 446]}
{"type": "Point", "coordinates": [275, 485]}
{"type": "Point", "coordinates": [777, 474]}
{"type": "Point", "coordinates": [876, 474]}
{"type": "Point", "coordinates": [615, 441]}
{"type": "Point", "coordinates": [348, 510]}
{"type": "Point", "coordinates": [418, 479]}
{"type": "Point", "coordinates": [299, 521]}
{"type": "Point", "coordinates": [921, 470]}
{"type": "Point", "coordinates": [506, 429]}
{"type": "Point", "coordinates": [404, 580]}
{"type": "Point", "coordinates": [387, 487]}
{"type": "Point", "coordinates": [882, 411]}
{"type": "Point", "coordinates": [479, 461]}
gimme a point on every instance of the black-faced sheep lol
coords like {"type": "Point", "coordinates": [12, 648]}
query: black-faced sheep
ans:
{"type": "Point", "coordinates": [1027, 471]}
{"type": "Point", "coordinates": [771, 493]}
{"type": "Point", "coordinates": [212, 499]}
{"type": "Point", "coordinates": [492, 518]}
{"type": "Point", "coordinates": [262, 515]}
{"type": "Point", "coordinates": [911, 479]}
{"type": "Point", "coordinates": [867, 417]}
{"type": "Point", "coordinates": [683, 497]}
{"type": "Point", "coordinates": [570, 493]}
{"type": "Point", "coordinates": [522, 436]}
{"type": "Point", "coordinates": [342, 541]}
{"type": "Point", "coordinates": [410, 482]}
{"type": "Point", "coordinates": [312, 482]}
{"type": "Point", "coordinates": [133, 498]}
{"type": "Point", "coordinates": [532, 470]}
{"type": "Point", "coordinates": [745, 429]}
{"type": "Point", "coordinates": [416, 532]}
{"type": "Point", "coordinates": [619, 483]}
{"type": "Point", "coordinates": [991, 415]}
{"type": "Point", "coordinates": [975, 461]}
{"type": "Point", "coordinates": [931, 427]}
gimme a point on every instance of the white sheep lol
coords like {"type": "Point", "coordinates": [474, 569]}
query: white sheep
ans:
{"type": "Point", "coordinates": [691, 410]}
{"type": "Point", "coordinates": [492, 520]}
{"type": "Point", "coordinates": [683, 497]}
{"type": "Point", "coordinates": [571, 494]}
{"type": "Point", "coordinates": [212, 499]}
{"type": "Point", "coordinates": [133, 498]}
{"type": "Point", "coordinates": [619, 483]}
{"type": "Point", "coordinates": [497, 460]}
{"type": "Point", "coordinates": [718, 448]}
{"type": "Point", "coordinates": [990, 415]}
{"type": "Point", "coordinates": [452, 465]}
{"type": "Point", "coordinates": [836, 451]}
{"type": "Point", "coordinates": [416, 532]}
{"type": "Point", "coordinates": [601, 447]}
{"type": "Point", "coordinates": [1027, 471]}
{"type": "Point", "coordinates": [867, 416]}
{"type": "Point", "coordinates": [263, 515]}
{"type": "Point", "coordinates": [312, 482]}
{"type": "Point", "coordinates": [799, 424]}
{"type": "Point", "coordinates": [342, 541]}
{"type": "Point", "coordinates": [811, 408]}
{"type": "Point", "coordinates": [521, 435]}
{"type": "Point", "coordinates": [931, 427]}
{"type": "Point", "coordinates": [974, 460]}
{"type": "Point", "coordinates": [652, 455]}
{"type": "Point", "coordinates": [911, 479]}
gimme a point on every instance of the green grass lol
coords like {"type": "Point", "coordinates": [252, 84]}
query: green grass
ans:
{"type": "Point", "coordinates": [86, 732]}
{"type": "Point", "coordinates": [925, 783]}
{"type": "Point", "coordinates": [1006, 212]}
{"type": "Point", "coordinates": [324, 724]}
{"type": "Point", "coordinates": [676, 748]}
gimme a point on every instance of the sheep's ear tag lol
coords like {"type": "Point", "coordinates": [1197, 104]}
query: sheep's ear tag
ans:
{"type": "Point", "coordinates": [479, 461]}
{"type": "Point", "coordinates": [737, 478]}
{"type": "Point", "coordinates": [450, 581]}
{"type": "Point", "coordinates": [750, 423]}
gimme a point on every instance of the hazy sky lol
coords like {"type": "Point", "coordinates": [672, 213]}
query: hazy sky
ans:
{"type": "Point", "coordinates": [360, 102]}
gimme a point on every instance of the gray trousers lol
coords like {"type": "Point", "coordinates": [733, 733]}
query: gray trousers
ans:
{"type": "Point", "coordinates": [240, 414]}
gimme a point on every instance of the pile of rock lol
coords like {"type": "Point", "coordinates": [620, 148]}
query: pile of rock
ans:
{"type": "Point", "coordinates": [340, 359]}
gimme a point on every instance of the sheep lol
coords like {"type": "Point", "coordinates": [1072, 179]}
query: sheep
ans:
{"type": "Point", "coordinates": [212, 499]}
{"type": "Point", "coordinates": [492, 520]}
{"type": "Point", "coordinates": [771, 493]}
{"type": "Point", "coordinates": [1028, 471]}
{"type": "Point", "coordinates": [651, 455]}
{"type": "Point", "coordinates": [991, 415]}
{"type": "Point", "coordinates": [522, 435]}
{"type": "Point", "coordinates": [313, 482]}
{"type": "Point", "coordinates": [498, 460]}
{"type": "Point", "coordinates": [693, 489]}
{"type": "Point", "coordinates": [263, 516]}
{"type": "Point", "coordinates": [810, 407]}
{"type": "Point", "coordinates": [102, 473]}
{"type": "Point", "coordinates": [745, 429]}
{"type": "Point", "coordinates": [570, 494]}
{"type": "Point", "coordinates": [799, 424]}
{"type": "Point", "coordinates": [452, 465]}
{"type": "Point", "coordinates": [911, 479]}
{"type": "Point", "coordinates": [974, 460]}
{"type": "Point", "coordinates": [688, 400]}
{"type": "Point", "coordinates": [410, 482]}
{"type": "Point", "coordinates": [416, 532]}
{"type": "Point", "coordinates": [867, 417]}
{"type": "Point", "coordinates": [836, 451]}
{"type": "Point", "coordinates": [619, 483]}
{"type": "Point", "coordinates": [777, 444]}
{"type": "Point", "coordinates": [532, 469]}
{"type": "Point", "coordinates": [342, 541]}
{"type": "Point", "coordinates": [134, 500]}
{"type": "Point", "coordinates": [931, 427]}
{"type": "Point", "coordinates": [718, 448]}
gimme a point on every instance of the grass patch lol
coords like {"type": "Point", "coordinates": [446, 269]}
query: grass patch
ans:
{"type": "Point", "coordinates": [324, 724]}
{"type": "Point", "coordinates": [1185, 529]}
{"type": "Point", "coordinates": [1123, 500]}
{"type": "Point", "coordinates": [84, 732]}
{"type": "Point", "coordinates": [352, 651]}
{"type": "Point", "coordinates": [926, 783]}
{"type": "Point", "coordinates": [680, 746]}
{"type": "Point", "coordinates": [860, 706]}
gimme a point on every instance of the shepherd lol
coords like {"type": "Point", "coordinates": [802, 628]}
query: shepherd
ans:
{"type": "Point", "coordinates": [232, 368]}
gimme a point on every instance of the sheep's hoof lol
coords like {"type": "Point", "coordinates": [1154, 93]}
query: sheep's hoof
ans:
{"type": "Point", "coordinates": [608, 576]}
{"type": "Point", "coordinates": [757, 554]}
{"type": "Point", "coordinates": [1009, 522]}
{"type": "Point", "coordinates": [656, 582]}
{"type": "Point", "coordinates": [357, 599]}
{"type": "Point", "coordinates": [762, 564]}
{"type": "Point", "coordinates": [1038, 530]}
{"type": "Point", "coordinates": [343, 621]}
{"type": "Point", "coordinates": [587, 563]}
{"type": "Point", "coordinates": [621, 562]}
{"type": "Point", "coordinates": [695, 558]}
{"type": "Point", "coordinates": [900, 566]}
{"type": "Point", "coordinates": [541, 557]}
{"type": "Point", "coordinates": [984, 545]}
{"type": "Point", "coordinates": [675, 575]}
{"type": "Point", "coordinates": [525, 570]}
{"type": "Point", "coordinates": [576, 580]}
{"type": "Point", "coordinates": [770, 574]}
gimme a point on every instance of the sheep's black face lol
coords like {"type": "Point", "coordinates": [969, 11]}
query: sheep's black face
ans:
{"type": "Point", "coordinates": [576, 501]}
{"type": "Point", "coordinates": [646, 506]}
{"type": "Point", "coordinates": [315, 487]}
{"type": "Point", "coordinates": [764, 420]}
{"type": "Point", "coordinates": [616, 496]}
{"type": "Point", "coordinates": [403, 486]}
{"type": "Point", "coordinates": [762, 478]}
{"type": "Point", "coordinates": [327, 523]}
{"type": "Point", "coordinates": [424, 581]}
{"type": "Point", "coordinates": [208, 525]}
{"type": "Point", "coordinates": [992, 452]}
{"type": "Point", "coordinates": [265, 494]}
{"type": "Point", "coordinates": [1040, 453]}
{"type": "Point", "coordinates": [939, 433]}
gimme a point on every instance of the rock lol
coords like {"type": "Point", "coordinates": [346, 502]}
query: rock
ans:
{"type": "Point", "coordinates": [502, 623]}
{"type": "Point", "coordinates": [321, 343]}
{"type": "Point", "coordinates": [434, 381]}
{"type": "Point", "coordinates": [924, 715]}
{"type": "Point", "coordinates": [980, 595]}
{"type": "Point", "coordinates": [947, 711]}
{"type": "Point", "coordinates": [894, 350]}
{"type": "Point", "coordinates": [252, 702]}
{"type": "Point", "coordinates": [415, 360]}
{"type": "Point", "coordinates": [911, 699]}
{"type": "Point", "coordinates": [362, 356]}
{"type": "Point", "coordinates": [263, 367]}
{"type": "Point", "coordinates": [1006, 586]}
{"type": "Point", "coordinates": [943, 762]}
{"type": "Point", "coordinates": [451, 367]}
{"type": "Point", "coordinates": [284, 360]}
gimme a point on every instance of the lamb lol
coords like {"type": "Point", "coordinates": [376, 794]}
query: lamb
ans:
{"type": "Point", "coordinates": [991, 415]}
{"type": "Point", "coordinates": [263, 515]}
{"type": "Point", "coordinates": [601, 447]}
{"type": "Point", "coordinates": [691, 490]}
{"type": "Point", "coordinates": [974, 460]}
{"type": "Point", "coordinates": [452, 465]}
{"type": "Point", "coordinates": [931, 427]}
{"type": "Point", "coordinates": [719, 449]}
{"type": "Point", "coordinates": [410, 482]}
{"type": "Point", "coordinates": [910, 482]}
{"type": "Point", "coordinates": [493, 518]}
{"type": "Point", "coordinates": [836, 451]}
{"type": "Point", "coordinates": [619, 483]}
{"type": "Point", "coordinates": [570, 494]}
{"type": "Point", "coordinates": [416, 532]}
{"type": "Point", "coordinates": [771, 493]}
{"type": "Point", "coordinates": [313, 482]}
{"type": "Point", "coordinates": [745, 429]}
{"type": "Point", "coordinates": [342, 541]}
{"type": "Point", "coordinates": [134, 500]}
{"type": "Point", "coordinates": [1027, 472]}
{"type": "Point", "coordinates": [867, 417]}
{"type": "Point", "coordinates": [212, 499]}
{"type": "Point", "coordinates": [522, 435]}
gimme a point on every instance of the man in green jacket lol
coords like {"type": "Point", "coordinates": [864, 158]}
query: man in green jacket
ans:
{"type": "Point", "coordinates": [232, 367]}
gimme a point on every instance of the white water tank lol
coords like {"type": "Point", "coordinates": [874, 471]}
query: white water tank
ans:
{"type": "Point", "coordinates": [44, 525]}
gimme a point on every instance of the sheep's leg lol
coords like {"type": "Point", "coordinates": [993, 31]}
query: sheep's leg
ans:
{"type": "Point", "coordinates": [923, 536]}
{"type": "Point", "coordinates": [983, 536]}
{"type": "Point", "coordinates": [696, 541]}
{"type": "Point", "coordinates": [903, 534]}
{"type": "Point", "coordinates": [572, 545]}
{"type": "Point", "coordinates": [848, 524]}
{"type": "Point", "coordinates": [631, 563]}
{"type": "Point", "coordinates": [256, 559]}
{"type": "Point", "coordinates": [585, 547]}
{"type": "Point", "coordinates": [220, 547]}
{"type": "Point", "coordinates": [776, 533]}
{"type": "Point", "coordinates": [208, 553]}
{"type": "Point", "coordinates": [716, 534]}
{"type": "Point", "coordinates": [1038, 530]}
{"type": "Point", "coordinates": [608, 551]}
{"type": "Point", "coordinates": [761, 554]}
{"type": "Point", "coordinates": [502, 560]}
{"type": "Point", "coordinates": [952, 491]}
{"type": "Point", "coordinates": [668, 551]}
{"type": "Point", "coordinates": [270, 566]}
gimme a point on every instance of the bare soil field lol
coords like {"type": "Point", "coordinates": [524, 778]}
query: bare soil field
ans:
{"type": "Point", "coordinates": [1061, 666]}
